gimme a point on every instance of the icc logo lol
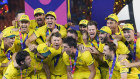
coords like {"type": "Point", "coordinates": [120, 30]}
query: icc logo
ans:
{"type": "Point", "coordinates": [51, 5]}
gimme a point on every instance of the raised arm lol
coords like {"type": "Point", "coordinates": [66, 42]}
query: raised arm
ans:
{"type": "Point", "coordinates": [29, 42]}
{"type": "Point", "coordinates": [69, 74]}
{"type": "Point", "coordinates": [124, 75]}
{"type": "Point", "coordinates": [92, 71]}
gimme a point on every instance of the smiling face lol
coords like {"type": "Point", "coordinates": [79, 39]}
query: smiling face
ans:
{"type": "Point", "coordinates": [24, 26]}
{"type": "Point", "coordinates": [67, 48]}
{"type": "Point", "coordinates": [107, 53]}
{"type": "Point", "coordinates": [92, 31]}
{"type": "Point", "coordinates": [103, 37]}
{"type": "Point", "coordinates": [56, 42]}
{"type": "Point", "coordinates": [82, 28]}
{"type": "Point", "coordinates": [40, 18]}
{"type": "Point", "coordinates": [51, 21]}
{"type": "Point", "coordinates": [17, 18]}
{"type": "Point", "coordinates": [129, 35]}
{"type": "Point", "coordinates": [9, 42]}
{"type": "Point", "coordinates": [112, 24]}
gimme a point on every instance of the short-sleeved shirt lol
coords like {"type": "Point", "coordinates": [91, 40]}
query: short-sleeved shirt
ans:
{"type": "Point", "coordinates": [118, 68]}
{"type": "Point", "coordinates": [3, 53]}
{"type": "Point", "coordinates": [90, 45]}
{"type": "Point", "coordinates": [101, 46]}
{"type": "Point", "coordinates": [56, 57]}
{"type": "Point", "coordinates": [121, 33]}
{"type": "Point", "coordinates": [121, 49]}
{"type": "Point", "coordinates": [41, 32]}
{"type": "Point", "coordinates": [137, 47]}
{"type": "Point", "coordinates": [33, 25]}
{"type": "Point", "coordinates": [17, 43]}
{"type": "Point", "coordinates": [95, 42]}
{"type": "Point", "coordinates": [35, 62]}
{"type": "Point", "coordinates": [80, 40]}
{"type": "Point", "coordinates": [83, 61]}
{"type": "Point", "coordinates": [14, 73]}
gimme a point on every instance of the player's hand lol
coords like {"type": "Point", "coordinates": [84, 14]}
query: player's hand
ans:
{"type": "Point", "coordinates": [55, 30]}
{"type": "Point", "coordinates": [81, 48]}
{"type": "Point", "coordinates": [125, 64]}
{"type": "Point", "coordinates": [69, 28]}
{"type": "Point", "coordinates": [117, 37]}
{"type": "Point", "coordinates": [92, 50]}
{"type": "Point", "coordinates": [32, 47]}
{"type": "Point", "coordinates": [48, 44]}
{"type": "Point", "coordinates": [122, 57]}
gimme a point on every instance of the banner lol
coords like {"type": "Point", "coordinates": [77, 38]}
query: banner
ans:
{"type": "Point", "coordinates": [100, 10]}
{"type": "Point", "coordinates": [58, 6]}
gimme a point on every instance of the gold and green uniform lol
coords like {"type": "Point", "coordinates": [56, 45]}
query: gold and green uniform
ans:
{"type": "Point", "coordinates": [56, 64]}
{"type": "Point", "coordinates": [83, 61]}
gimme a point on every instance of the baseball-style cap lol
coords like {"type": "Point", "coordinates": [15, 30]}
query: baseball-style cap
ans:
{"type": "Point", "coordinates": [105, 29]}
{"type": "Point", "coordinates": [128, 27]}
{"type": "Point", "coordinates": [38, 10]}
{"type": "Point", "coordinates": [43, 50]}
{"type": "Point", "coordinates": [83, 22]}
{"type": "Point", "coordinates": [51, 13]}
{"type": "Point", "coordinates": [9, 35]}
{"type": "Point", "coordinates": [24, 18]}
{"type": "Point", "coordinates": [113, 17]}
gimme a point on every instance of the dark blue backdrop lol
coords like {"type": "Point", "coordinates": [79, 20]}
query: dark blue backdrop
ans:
{"type": "Point", "coordinates": [100, 10]}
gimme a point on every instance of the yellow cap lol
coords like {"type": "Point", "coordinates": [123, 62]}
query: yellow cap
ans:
{"type": "Point", "coordinates": [113, 17]}
{"type": "Point", "coordinates": [24, 18]}
{"type": "Point", "coordinates": [43, 49]}
{"type": "Point", "coordinates": [128, 27]}
{"type": "Point", "coordinates": [83, 22]}
{"type": "Point", "coordinates": [51, 13]}
{"type": "Point", "coordinates": [9, 35]}
{"type": "Point", "coordinates": [38, 10]}
{"type": "Point", "coordinates": [106, 29]}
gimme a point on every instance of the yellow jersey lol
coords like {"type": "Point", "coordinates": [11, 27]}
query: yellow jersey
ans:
{"type": "Point", "coordinates": [83, 61]}
{"type": "Point", "coordinates": [120, 33]}
{"type": "Point", "coordinates": [35, 63]}
{"type": "Point", "coordinates": [17, 43]}
{"type": "Point", "coordinates": [118, 68]}
{"type": "Point", "coordinates": [33, 25]}
{"type": "Point", "coordinates": [80, 40]}
{"type": "Point", "coordinates": [14, 73]}
{"type": "Point", "coordinates": [41, 32]}
{"type": "Point", "coordinates": [55, 62]}
{"type": "Point", "coordinates": [121, 49]}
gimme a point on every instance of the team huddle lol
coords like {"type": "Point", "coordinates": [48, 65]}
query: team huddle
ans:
{"type": "Point", "coordinates": [43, 49]}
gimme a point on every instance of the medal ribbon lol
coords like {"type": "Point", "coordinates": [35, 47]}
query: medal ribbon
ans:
{"type": "Point", "coordinates": [8, 54]}
{"type": "Point", "coordinates": [112, 68]}
{"type": "Point", "coordinates": [73, 68]}
{"type": "Point", "coordinates": [97, 39]}
{"type": "Point", "coordinates": [38, 65]}
{"type": "Point", "coordinates": [47, 33]}
{"type": "Point", "coordinates": [21, 73]}
{"type": "Point", "coordinates": [23, 46]}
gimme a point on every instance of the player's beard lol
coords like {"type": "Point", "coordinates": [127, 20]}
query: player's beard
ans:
{"type": "Point", "coordinates": [105, 39]}
{"type": "Point", "coordinates": [108, 57]}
